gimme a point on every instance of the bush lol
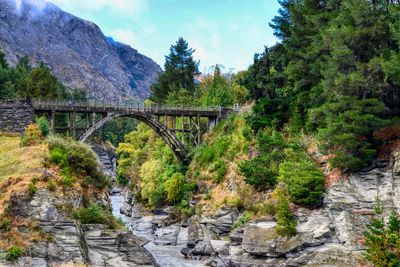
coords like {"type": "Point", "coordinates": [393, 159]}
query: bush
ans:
{"type": "Point", "coordinates": [382, 240]}
{"type": "Point", "coordinates": [14, 253]}
{"type": "Point", "coordinates": [5, 225]}
{"type": "Point", "coordinates": [345, 126]}
{"type": "Point", "coordinates": [304, 179]}
{"type": "Point", "coordinates": [94, 214]}
{"type": "Point", "coordinates": [258, 173]}
{"type": "Point", "coordinates": [32, 188]}
{"type": "Point", "coordinates": [58, 155]}
{"type": "Point", "coordinates": [220, 170]}
{"type": "Point", "coordinates": [175, 187]}
{"type": "Point", "coordinates": [262, 171]}
{"type": "Point", "coordinates": [242, 219]}
{"type": "Point", "coordinates": [51, 186]}
{"type": "Point", "coordinates": [32, 136]}
{"type": "Point", "coordinates": [43, 126]}
{"type": "Point", "coordinates": [285, 221]}
{"type": "Point", "coordinates": [76, 160]}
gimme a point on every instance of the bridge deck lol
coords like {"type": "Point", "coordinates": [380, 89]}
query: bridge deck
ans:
{"type": "Point", "coordinates": [131, 108]}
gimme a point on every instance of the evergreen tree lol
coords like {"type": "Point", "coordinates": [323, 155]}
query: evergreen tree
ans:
{"type": "Point", "coordinates": [382, 240]}
{"type": "Point", "coordinates": [285, 221]}
{"type": "Point", "coordinates": [180, 71]}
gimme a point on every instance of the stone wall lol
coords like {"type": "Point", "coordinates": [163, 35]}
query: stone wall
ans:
{"type": "Point", "coordinates": [15, 115]}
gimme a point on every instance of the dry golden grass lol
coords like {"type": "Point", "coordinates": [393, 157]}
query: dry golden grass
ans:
{"type": "Point", "coordinates": [16, 161]}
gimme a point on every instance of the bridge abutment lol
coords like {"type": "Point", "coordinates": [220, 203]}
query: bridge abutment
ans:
{"type": "Point", "coordinates": [15, 115]}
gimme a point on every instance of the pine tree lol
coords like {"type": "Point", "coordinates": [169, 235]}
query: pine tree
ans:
{"type": "Point", "coordinates": [285, 221]}
{"type": "Point", "coordinates": [180, 71]}
{"type": "Point", "coordinates": [382, 240]}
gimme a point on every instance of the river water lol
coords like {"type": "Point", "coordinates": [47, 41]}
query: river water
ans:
{"type": "Point", "coordinates": [165, 256]}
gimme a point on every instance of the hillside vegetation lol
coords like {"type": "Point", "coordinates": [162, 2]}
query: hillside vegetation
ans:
{"type": "Point", "coordinates": [17, 161]}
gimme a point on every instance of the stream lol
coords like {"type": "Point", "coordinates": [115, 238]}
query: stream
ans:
{"type": "Point", "coordinates": [142, 225]}
{"type": "Point", "coordinates": [164, 255]}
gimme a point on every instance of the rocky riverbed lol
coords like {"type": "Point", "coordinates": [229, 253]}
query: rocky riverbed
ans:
{"type": "Point", "coordinates": [328, 236]}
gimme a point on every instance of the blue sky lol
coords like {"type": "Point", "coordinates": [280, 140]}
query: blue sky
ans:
{"type": "Point", "coordinates": [226, 32]}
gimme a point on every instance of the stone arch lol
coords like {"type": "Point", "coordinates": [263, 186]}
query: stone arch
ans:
{"type": "Point", "coordinates": [168, 136]}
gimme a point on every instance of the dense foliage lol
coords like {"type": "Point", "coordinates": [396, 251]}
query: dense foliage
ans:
{"type": "Point", "coordinates": [179, 71]}
{"type": "Point", "coordinates": [77, 161]}
{"type": "Point", "coordinates": [150, 167]}
{"type": "Point", "coordinates": [94, 214]}
{"type": "Point", "coordinates": [285, 221]}
{"type": "Point", "coordinates": [333, 74]}
{"type": "Point", "coordinates": [304, 179]}
{"type": "Point", "coordinates": [23, 80]}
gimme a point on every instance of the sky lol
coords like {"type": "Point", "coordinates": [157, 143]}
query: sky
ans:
{"type": "Point", "coordinates": [226, 32]}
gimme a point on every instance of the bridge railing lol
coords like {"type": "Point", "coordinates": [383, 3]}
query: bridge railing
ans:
{"type": "Point", "coordinates": [140, 106]}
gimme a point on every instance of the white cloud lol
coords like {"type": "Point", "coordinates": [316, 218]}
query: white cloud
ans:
{"type": "Point", "coordinates": [126, 36]}
{"type": "Point", "coordinates": [125, 7]}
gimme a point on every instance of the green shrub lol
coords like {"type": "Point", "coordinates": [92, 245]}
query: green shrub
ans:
{"type": "Point", "coordinates": [382, 240]}
{"type": "Point", "coordinates": [285, 221]}
{"type": "Point", "coordinates": [32, 188]}
{"type": "Point", "coordinates": [243, 219]}
{"type": "Point", "coordinates": [304, 179]}
{"type": "Point", "coordinates": [345, 128]}
{"type": "Point", "coordinates": [51, 185]}
{"type": "Point", "coordinates": [93, 214]}
{"type": "Point", "coordinates": [43, 126]}
{"type": "Point", "coordinates": [76, 160]}
{"type": "Point", "coordinates": [122, 180]}
{"type": "Point", "coordinates": [262, 171]}
{"type": "Point", "coordinates": [14, 253]}
{"type": "Point", "coordinates": [270, 208]}
{"type": "Point", "coordinates": [5, 224]}
{"type": "Point", "coordinates": [220, 169]}
{"type": "Point", "coordinates": [175, 187]}
{"type": "Point", "coordinates": [58, 156]}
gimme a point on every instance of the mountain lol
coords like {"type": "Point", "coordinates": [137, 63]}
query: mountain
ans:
{"type": "Point", "coordinates": [76, 51]}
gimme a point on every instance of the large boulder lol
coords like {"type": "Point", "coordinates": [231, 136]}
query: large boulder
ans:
{"type": "Point", "coordinates": [221, 222]}
{"type": "Point", "coordinates": [167, 235]}
{"type": "Point", "coordinates": [261, 239]}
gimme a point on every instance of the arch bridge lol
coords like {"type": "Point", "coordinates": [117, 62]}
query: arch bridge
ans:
{"type": "Point", "coordinates": [180, 126]}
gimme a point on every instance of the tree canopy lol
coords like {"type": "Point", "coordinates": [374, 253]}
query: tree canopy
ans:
{"type": "Point", "coordinates": [180, 70]}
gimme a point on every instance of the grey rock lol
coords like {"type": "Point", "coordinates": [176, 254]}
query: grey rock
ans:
{"type": "Point", "coordinates": [195, 234]}
{"type": "Point", "coordinates": [326, 255]}
{"type": "Point", "coordinates": [167, 235]}
{"type": "Point", "coordinates": [114, 248]}
{"type": "Point", "coordinates": [76, 50]}
{"type": "Point", "coordinates": [221, 222]}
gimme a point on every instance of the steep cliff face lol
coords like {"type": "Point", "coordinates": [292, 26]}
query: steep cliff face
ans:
{"type": "Point", "coordinates": [76, 51]}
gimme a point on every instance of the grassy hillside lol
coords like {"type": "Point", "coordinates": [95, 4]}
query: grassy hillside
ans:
{"type": "Point", "coordinates": [17, 161]}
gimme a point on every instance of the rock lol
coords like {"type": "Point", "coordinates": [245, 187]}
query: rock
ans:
{"type": "Point", "coordinates": [76, 51]}
{"type": "Point", "coordinates": [220, 247]}
{"type": "Point", "coordinates": [114, 248]}
{"type": "Point", "coordinates": [260, 241]}
{"type": "Point", "coordinates": [326, 255]}
{"type": "Point", "coordinates": [261, 238]}
{"type": "Point", "coordinates": [144, 225]}
{"type": "Point", "coordinates": [221, 222]}
{"type": "Point", "coordinates": [126, 209]}
{"type": "Point", "coordinates": [167, 235]}
{"type": "Point", "coordinates": [29, 262]}
{"type": "Point", "coordinates": [42, 207]}
{"type": "Point", "coordinates": [195, 234]}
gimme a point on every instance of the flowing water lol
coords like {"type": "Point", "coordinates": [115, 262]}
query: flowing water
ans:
{"type": "Point", "coordinates": [165, 256]}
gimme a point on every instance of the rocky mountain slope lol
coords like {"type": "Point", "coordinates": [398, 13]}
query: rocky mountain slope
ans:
{"type": "Point", "coordinates": [76, 50]}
